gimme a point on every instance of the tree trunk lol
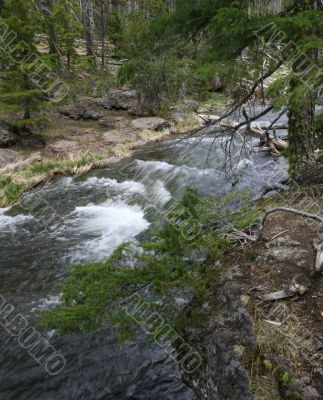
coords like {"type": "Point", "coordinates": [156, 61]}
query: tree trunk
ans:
{"type": "Point", "coordinates": [301, 116]}
{"type": "Point", "coordinates": [86, 17]}
{"type": "Point", "coordinates": [52, 40]}
{"type": "Point", "coordinates": [27, 111]}
{"type": "Point", "coordinates": [301, 132]}
{"type": "Point", "coordinates": [103, 21]}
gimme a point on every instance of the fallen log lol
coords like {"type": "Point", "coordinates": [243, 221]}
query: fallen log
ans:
{"type": "Point", "coordinates": [274, 144]}
{"type": "Point", "coordinates": [318, 246]}
{"type": "Point", "coordinates": [291, 291]}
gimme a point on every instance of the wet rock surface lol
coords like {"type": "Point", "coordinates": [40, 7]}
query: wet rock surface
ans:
{"type": "Point", "coordinates": [223, 344]}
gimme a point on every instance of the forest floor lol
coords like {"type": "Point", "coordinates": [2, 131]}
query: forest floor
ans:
{"type": "Point", "coordinates": [282, 350]}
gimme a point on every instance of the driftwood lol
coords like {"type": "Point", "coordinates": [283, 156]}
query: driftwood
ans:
{"type": "Point", "coordinates": [318, 246]}
{"type": "Point", "coordinates": [275, 144]}
{"type": "Point", "coordinates": [291, 291]}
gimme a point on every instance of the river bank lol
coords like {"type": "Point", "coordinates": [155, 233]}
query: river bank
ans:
{"type": "Point", "coordinates": [253, 346]}
{"type": "Point", "coordinates": [83, 219]}
{"type": "Point", "coordinates": [90, 133]}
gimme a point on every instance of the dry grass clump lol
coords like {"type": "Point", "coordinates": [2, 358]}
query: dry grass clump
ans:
{"type": "Point", "coordinates": [291, 339]}
{"type": "Point", "coordinates": [13, 184]}
{"type": "Point", "coordinates": [186, 125]}
{"type": "Point", "coordinates": [154, 136]}
{"type": "Point", "coordinates": [264, 388]}
{"type": "Point", "coordinates": [279, 334]}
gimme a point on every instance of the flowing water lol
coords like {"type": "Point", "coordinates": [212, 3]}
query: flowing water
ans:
{"type": "Point", "coordinates": [80, 219]}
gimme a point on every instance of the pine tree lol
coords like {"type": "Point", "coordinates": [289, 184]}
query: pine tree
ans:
{"type": "Point", "coordinates": [218, 35]}
{"type": "Point", "coordinates": [23, 70]}
{"type": "Point", "coordinates": [67, 27]}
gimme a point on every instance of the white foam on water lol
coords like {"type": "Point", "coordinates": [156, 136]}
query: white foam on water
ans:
{"type": "Point", "coordinates": [9, 223]}
{"type": "Point", "coordinates": [244, 164]}
{"type": "Point", "coordinates": [161, 195]}
{"type": "Point", "coordinates": [113, 223]}
{"type": "Point", "coordinates": [154, 165]}
{"type": "Point", "coordinates": [123, 190]}
{"type": "Point", "coordinates": [162, 166]}
{"type": "Point", "coordinates": [48, 302]}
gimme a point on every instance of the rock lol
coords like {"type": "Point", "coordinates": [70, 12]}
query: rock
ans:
{"type": "Point", "coordinates": [200, 255]}
{"type": "Point", "coordinates": [6, 137]}
{"type": "Point", "coordinates": [21, 164]}
{"type": "Point", "coordinates": [283, 241]}
{"type": "Point", "coordinates": [62, 147]}
{"type": "Point", "coordinates": [119, 99]}
{"type": "Point", "coordinates": [93, 115]}
{"type": "Point", "coordinates": [86, 110]}
{"type": "Point", "coordinates": [216, 84]}
{"type": "Point", "coordinates": [150, 123]}
{"type": "Point", "coordinates": [187, 106]}
{"type": "Point", "coordinates": [119, 122]}
{"type": "Point", "coordinates": [283, 249]}
{"type": "Point", "coordinates": [231, 275]}
{"type": "Point", "coordinates": [75, 112]}
{"type": "Point", "coordinates": [112, 137]}
{"type": "Point", "coordinates": [9, 156]}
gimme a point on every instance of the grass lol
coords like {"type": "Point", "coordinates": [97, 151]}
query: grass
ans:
{"type": "Point", "coordinates": [186, 125]}
{"type": "Point", "coordinates": [152, 136]}
{"type": "Point", "coordinates": [13, 184]}
{"type": "Point", "coordinates": [215, 101]}
{"type": "Point", "coordinates": [9, 190]}
{"type": "Point", "coordinates": [289, 341]}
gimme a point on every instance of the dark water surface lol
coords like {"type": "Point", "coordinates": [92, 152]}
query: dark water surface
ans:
{"type": "Point", "coordinates": [79, 219]}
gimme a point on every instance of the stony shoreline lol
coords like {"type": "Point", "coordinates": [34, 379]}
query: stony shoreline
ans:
{"type": "Point", "coordinates": [77, 138]}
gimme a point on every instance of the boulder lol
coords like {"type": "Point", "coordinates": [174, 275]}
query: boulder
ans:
{"type": "Point", "coordinates": [75, 112]}
{"type": "Point", "coordinates": [8, 157]}
{"type": "Point", "coordinates": [150, 123]}
{"type": "Point", "coordinates": [82, 110]}
{"type": "Point", "coordinates": [62, 147]}
{"type": "Point", "coordinates": [118, 122]}
{"type": "Point", "coordinates": [119, 99]}
{"type": "Point", "coordinates": [112, 137]}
